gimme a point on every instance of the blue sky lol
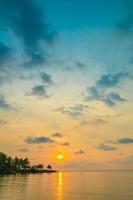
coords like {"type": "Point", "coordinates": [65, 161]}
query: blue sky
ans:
{"type": "Point", "coordinates": [66, 71]}
{"type": "Point", "coordinates": [71, 15]}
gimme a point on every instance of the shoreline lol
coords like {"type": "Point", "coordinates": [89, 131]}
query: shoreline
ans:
{"type": "Point", "coordinates": [27, 172]}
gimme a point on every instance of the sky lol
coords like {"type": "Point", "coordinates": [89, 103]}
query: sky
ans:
{"type": "Point", "coordinates": [66, 79]}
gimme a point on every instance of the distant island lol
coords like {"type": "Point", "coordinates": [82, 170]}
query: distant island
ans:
{"type": "Point", "coordinates": [9, 165]}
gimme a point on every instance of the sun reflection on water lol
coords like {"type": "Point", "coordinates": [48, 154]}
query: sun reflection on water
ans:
{"type": "Point", "coordinates": [60, 186]}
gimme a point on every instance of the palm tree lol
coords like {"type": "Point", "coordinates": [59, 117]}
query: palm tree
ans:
{"type": "Point", "coordinates": [25, 164]}
{"type": "Point", "coordinates": [16, 163]}
{"type": "Point", "coordinates": [49, 167]}
{"type": "Point", "coordinates": [39, 166]}
{"type": "Point", "coordinates": [3, 161]}
{"type": "Point", "coordinates": [9, 163]}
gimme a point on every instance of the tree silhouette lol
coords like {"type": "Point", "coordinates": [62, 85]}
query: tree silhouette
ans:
{"type": "Point", "coordinates": [3, 161]}
{"type": "Point", "coordinates": [7, 163]}
{"type": "Point", "coordinates": [49, 167]}
{"type": "Point", "coordinates": [13, 165]}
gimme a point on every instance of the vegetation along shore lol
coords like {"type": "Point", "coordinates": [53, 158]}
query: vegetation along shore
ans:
{"type": "Point", "coordinates": [9, 165]}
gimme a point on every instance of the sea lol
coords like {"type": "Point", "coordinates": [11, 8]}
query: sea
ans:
{"type": "Point", "coordinates": [91, 185]}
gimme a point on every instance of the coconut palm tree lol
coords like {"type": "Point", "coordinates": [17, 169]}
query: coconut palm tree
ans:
{"type": "Point", "coordinates": [40, 166]}
{"type": "Point", "coordinates": [49, 167]}
{"type": "Point", "coordinates": [16, 163]}
{"type": "Point", "coordinates": [25, 163]}
{"type": "Point", "coordinates": [9, 163]}
{"type": "Point", "coordinates": [3, 161]}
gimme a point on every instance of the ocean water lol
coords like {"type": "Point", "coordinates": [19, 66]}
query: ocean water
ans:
{"type": "Point", "coordinates": [68, 186]}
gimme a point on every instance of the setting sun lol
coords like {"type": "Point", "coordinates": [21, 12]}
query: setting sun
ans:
{"type": "Point", "coordinates": [60, 156]}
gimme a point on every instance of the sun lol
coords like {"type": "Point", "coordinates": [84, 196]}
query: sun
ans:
{"type": "Point", "coordinates": [60, 156]}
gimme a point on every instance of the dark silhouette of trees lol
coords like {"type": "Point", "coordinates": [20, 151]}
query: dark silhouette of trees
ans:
{"type": "Point", "coordinates": [49, 167]}
{"type": "Point", "coordinates": [37, 167]}
{"type": "Point", "coordinates": [19, 165]}
{"type": "Point", "coordinates": [3, 161]}
{"type": "Point", "coordinates": [40, 166]}
{"type": "Point", "coordinates": [9, 164]}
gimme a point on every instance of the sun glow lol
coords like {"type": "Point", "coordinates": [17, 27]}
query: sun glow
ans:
{"type": "Point", "coordinates": [60, 156]}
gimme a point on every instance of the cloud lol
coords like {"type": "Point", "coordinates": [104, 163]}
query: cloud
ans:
{"type": "Point", "coordinates": [71, 67]}
{"type": "Point", "coordinates": [79, 152]}
{"type": "Point", "coordinates": [4, 105]}
{"type": "Point", "coordinates": [109, 80]}
{"type": "Point", "coordinates": [25, 150]}
{"type": "Point", "coordinates": [125, 26]}
{"type": "Point", "coordinates": [97, 121]}
{"type": "Point", "coordinates": [41, 139]}
{"type": "Point", "coordinates": [47, 79]}
{"type": "Point", "coordinates": [57, 134]}
{"type": "Point", "coordinates": [80, 65]}
{"type": "Point", "coordinates": [96, 94]}
{"type": "Point", "coordinates": [100, 91]}
{"type": "Point", "coordinates": [26, 21]}
{"type": "Point", "coordinates": [125, 140]}
{"type": "Point", "coordinates": [65, 144]}
{"type": "Point", "coordinates": [73, 111]}
{"type": "Point", "coordinates": [40, 91]}
{"type": "Point", "coordinates": [105, 147]}
{"type": "Point", "coordinates": [5, 53]}
{"type": "Point", "coordinates": [91, 122]}
{"type": "Point", "coordinates": [112, 99]}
